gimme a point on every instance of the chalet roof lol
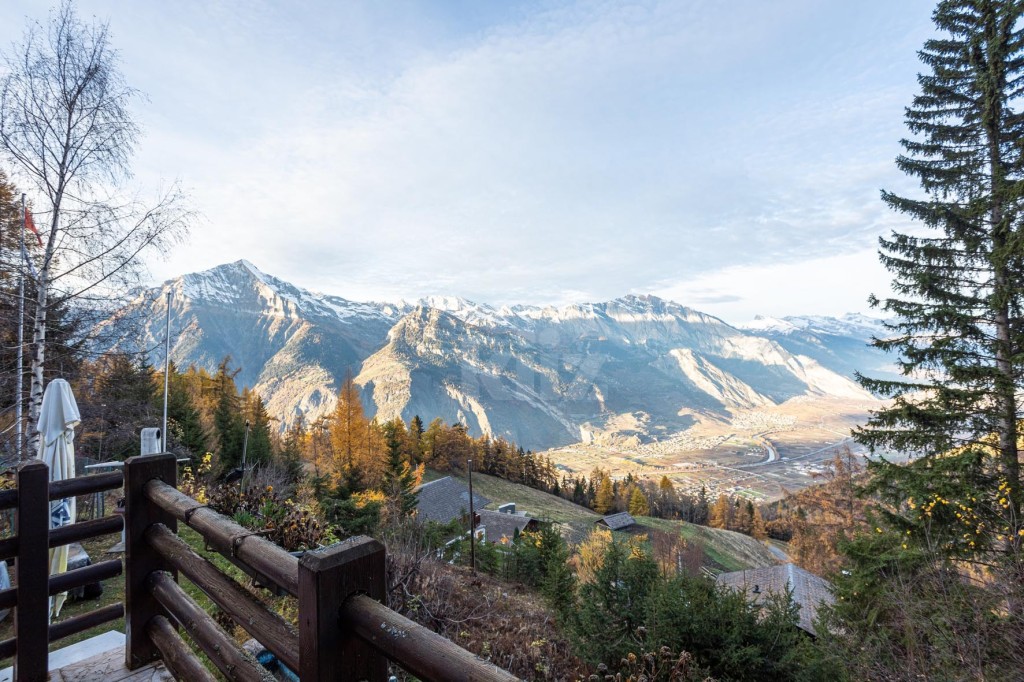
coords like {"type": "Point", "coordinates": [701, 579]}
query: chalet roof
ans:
{"type": "Point", "coordinates": [617, 521]}
{"type": "Point", "coordinates": [500, 525]}
{"type": "Point", "coordinates": [446, 499]}
{"type": "Point", "coordinates": [809, 591]}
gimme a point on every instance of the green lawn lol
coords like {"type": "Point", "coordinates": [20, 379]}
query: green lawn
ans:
{"type": "Point", "coordinates": [538, 504]}
{"type": "Point", "coordinates": [727, 551]}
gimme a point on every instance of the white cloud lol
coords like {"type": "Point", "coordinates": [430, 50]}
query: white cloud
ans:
{"type": "Point", "coordinates": [523, 152]}
{"type": "Point", "coordinates": [815, 286]}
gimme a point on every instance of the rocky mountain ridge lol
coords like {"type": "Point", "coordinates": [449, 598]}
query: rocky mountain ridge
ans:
{"type": "Point", "coordinates": [638, 366]}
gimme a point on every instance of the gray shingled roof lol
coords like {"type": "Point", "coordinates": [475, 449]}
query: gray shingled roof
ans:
{"type": "Point", "coordinates": [809, 591]}
{"type": "Point", "coordinates": [499, 525]}
{"type": "Point", "coordinates": [446, 499]}
{"type": "Point", "coordinates": [617, 521]}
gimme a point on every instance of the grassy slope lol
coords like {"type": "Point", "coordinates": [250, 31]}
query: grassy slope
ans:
{"type": "Point", "coordinates": [725, 550]}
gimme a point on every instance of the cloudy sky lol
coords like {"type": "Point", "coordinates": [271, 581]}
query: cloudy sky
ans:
{"type": "Point", "coordinates": [727, 155]}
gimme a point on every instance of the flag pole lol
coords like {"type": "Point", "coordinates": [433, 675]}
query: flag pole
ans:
{"type": "Point", "coordinates": [167, 366]}
{"type": "Point", "coordinates": [19, 384]}
{"type": "Point", "coordinates": [472, 518]}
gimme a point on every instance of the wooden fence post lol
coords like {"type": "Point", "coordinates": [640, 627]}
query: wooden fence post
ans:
{"type": "Point", "coordinates": [139, 556]}
{"type": "Point", "coordinates": [31, 616]}
{"type": "Point", "coordinates": [328, 648]}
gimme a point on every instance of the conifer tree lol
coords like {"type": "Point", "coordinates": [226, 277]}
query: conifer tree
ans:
{"type": "Point", "coordinates": [185, 424]}
{"type": "Point", "coordinates": [721, 514]}
{"type": "Point", "coordinates": [292, 446]}
{"type": "Point", "coordinates": [349, 428]}
{"type": "Point", "coordinates": [701, 508]}
{"type": "Point", "coordinates": [227, 416]}
{"type": "Point", "coordinates": [604, 501]}
{"type": "Point", "coordinates": [399, 479]}
{"type": "Point", "coordinates": [120, 404]}
{"type": "Point", "coordinates": [638, 505]}
{"type": "Point", "coordinates": [959, 288]}
{"type": "Point", "coordinates": [416, 431]}
{"type": "Point", "coordinates": [259, 448]}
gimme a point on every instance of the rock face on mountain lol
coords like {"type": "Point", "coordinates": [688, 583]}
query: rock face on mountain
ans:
{"type": "Point", "coordinates": [636, 367]}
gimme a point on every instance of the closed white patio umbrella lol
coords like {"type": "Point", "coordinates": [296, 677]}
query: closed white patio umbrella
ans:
{"type": "Point", "coordinates": [57, 421]}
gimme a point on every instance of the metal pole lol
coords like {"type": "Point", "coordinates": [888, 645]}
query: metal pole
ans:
{"type": "Point", "coordinates": [19, 387]}
{"type": "Point", "coordinates": [245, 446]}
{"type": "Point", "coordinates": [167, 366]}
{"type": "Point", "coordinates": [472, 518]}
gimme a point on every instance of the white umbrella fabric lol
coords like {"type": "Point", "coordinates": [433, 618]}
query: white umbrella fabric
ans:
{"type": "Point", "coordinates": [58, 418]}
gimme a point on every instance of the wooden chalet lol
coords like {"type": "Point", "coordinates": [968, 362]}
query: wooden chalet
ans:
{"type": "Point", "coordinates": [446, 499]}
{"type": "Point", "coordinates": [620, 521]}
{"type": "Point", "coordinates": [504, 527]}
{"type": "Point", "coordinates": [809, 591]}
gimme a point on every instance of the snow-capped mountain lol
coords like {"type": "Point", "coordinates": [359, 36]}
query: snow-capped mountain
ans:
{"type": "Point", "coordinates": [543, 376]}
{"type": "Point", "coordinates": [841, 344]}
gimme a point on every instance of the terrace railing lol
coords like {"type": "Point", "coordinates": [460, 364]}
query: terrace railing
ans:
{"type": "Point", "coordinates": [30, 547]}
{"type": "Point", "coordinates": [344, 631]}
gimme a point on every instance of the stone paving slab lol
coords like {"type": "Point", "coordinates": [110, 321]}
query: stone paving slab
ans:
{"type": "Point", "coordinates": [99, 658]}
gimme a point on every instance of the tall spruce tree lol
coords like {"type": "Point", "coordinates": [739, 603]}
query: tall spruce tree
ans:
{"type": "Point", "coordinates": [399, 480]}
{"type": "Point", "coordinates": [959, 301]}
{"type": "Point", "coordinates": [259, 448]}
{"type": "Point", "coordinates": [229, 424]}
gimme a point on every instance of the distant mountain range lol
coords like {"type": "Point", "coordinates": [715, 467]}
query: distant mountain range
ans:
{"type": "Point", "coordinates": [542, 377]}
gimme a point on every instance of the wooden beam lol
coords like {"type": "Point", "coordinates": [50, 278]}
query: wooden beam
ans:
{"type": "Point", "coordinates": [31, 616]}
{"type": "Point", "coordinates": [176, 654]}
{"type": "Point", "coordinates": [276, 634]}
{"type": "Point", "coordinates": [139, 556]}
{"type": "Point", "coordinates": [329, 648]}
{"type": "Point", "coordinates": [236, 542]}
{"type": "Point", "coordinates": [420, 651]}
{"type": "Point", "coordinates": [84, 621]}
{"type": "Point", "coordinates": [84, 485]}
{"type": "Point", "coordinates": [235, 663]}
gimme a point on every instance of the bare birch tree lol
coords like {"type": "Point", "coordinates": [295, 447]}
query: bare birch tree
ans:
{"type": "Point", "coordinates": [67, 130]}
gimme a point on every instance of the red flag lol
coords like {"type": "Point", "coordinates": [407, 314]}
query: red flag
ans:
{"type": "Point", "coordinates": [32, 226]}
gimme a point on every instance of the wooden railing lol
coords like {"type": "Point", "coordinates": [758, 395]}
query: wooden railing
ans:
{"type": "Point", "coordinates": [30, 547]}
{"type": "Point", "coordinates": [344, 631]}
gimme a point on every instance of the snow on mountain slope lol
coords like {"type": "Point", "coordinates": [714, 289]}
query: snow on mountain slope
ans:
{"type": "Point", "coordinates": [841, 344]}
{"type": "Point", "coordinates": [539, 375]}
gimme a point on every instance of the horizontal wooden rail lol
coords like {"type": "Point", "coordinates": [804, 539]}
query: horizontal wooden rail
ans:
{"type": "Point", "coordinates": [85, 485]}
{"type": "Point", "coordinates": [62, 582]}
{"type": "Point", "coordinates": [275, 633]}
{"type": "Point", "coordinates": [227, 537]}
{"type": "Point", "coordinates": [176, 654]}
{"type": "Point", "coordinates": [418, 650]}
{"type": "Point", "coordinates": [83, 530]}
{"type": "Point", "coordinates": [82, 622]}
{"type": "Point", "coordinates": [65, 535]}
{"type": "Point", "coordinates": [8, 647]}
{"type": "Point", "coordinates": [71, 487]}
{"type": "Point", "coordinates": [203, 629]}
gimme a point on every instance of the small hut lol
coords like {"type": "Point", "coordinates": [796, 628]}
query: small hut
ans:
{"type": "Point", "coordinates": [620, 521]}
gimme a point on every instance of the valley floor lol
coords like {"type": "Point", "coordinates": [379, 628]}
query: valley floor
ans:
{"type": "Point", "coordinates": [761, 453]}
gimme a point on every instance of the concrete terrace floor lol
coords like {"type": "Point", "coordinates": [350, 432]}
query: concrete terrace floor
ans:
{"type": "Point", "coordinates": [95, 659]}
